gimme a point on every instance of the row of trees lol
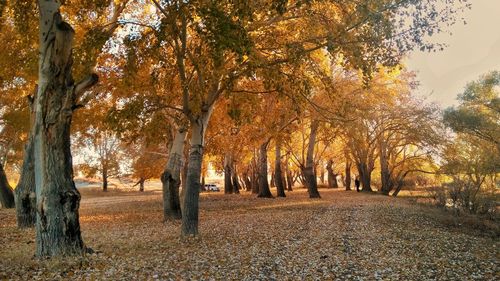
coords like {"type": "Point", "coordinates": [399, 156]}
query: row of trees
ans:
{"type": "Point", "coordinates": [255, 73]}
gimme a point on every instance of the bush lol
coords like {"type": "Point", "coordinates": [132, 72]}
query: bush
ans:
{"type": "Point", "coordinates": [465, 196]}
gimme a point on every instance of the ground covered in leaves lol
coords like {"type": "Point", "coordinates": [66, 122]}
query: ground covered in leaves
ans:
{"type": "Point", "coordinates": [342, 236]}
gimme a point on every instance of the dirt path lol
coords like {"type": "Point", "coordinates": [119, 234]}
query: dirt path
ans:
{"type": "Point", "coordinates": [343, 236]}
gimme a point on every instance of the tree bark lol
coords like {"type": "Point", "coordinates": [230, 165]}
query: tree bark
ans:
{"type": "Point", "coordinates": [190, 208]}
{"type": "Point", "coordinates": [25, 190]}
{"type": "Point", "coordinates": [365, 176]}
{"type": "Point", "coordinates": [57, 199]}
{"type": "Point", "coordinates": [171, 178]}
{"type": "Point", "coordinates": [278, 177]}
{"type": "Point", "coordinates": [234, 176]}
{"type": "Point", "coordinates": [289, 176]}
{"type": "Point", "coordinates": [264, 191]}
{"type": "Point", "coordinates": [104, 180]}
{"type": "Point", "coordinates": [228, 184]}
{"type": "Point", "coordinates": [348, 165]}
{"type": "Point", "coordinates": [385, 174]}
{"type": "Point", "coordinates": [6, 193]}
{"type": "Point", "coordinates": [331, 175]}
{"type": "Point", "coordinates": [308, 171]}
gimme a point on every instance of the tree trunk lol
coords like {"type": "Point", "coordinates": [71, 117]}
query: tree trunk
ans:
{"type": "Point", "coordinates": [171, 178]}
{"type": "Point", "coordinates": [228, 184]}
{"type": "Point", "coordinates": [141, 184]}
{"type": "Point", "coordinates": [365, 176]}
{"type": "Point", "coordinates": [25, 190]}
{"type": "Point", "coordinates": [348, 165]}
{"type": "Point", "coordinates": [278, 177]}
{"type": "Point", "coordinates": [234, 176]}
{"type": "Point", "coordinates": [190, 209]}
{"type": "Point", "coordinates": [104, 180]}
{"type": "Point", "coordinates": [57, 199]}
{"type": "Point", "coordinates": [264, 191]}
{"type": "Point", "coordinates": [331, 176]}
{"type": "Point", "coordinates": [6, 193]}
{"type": "Point", "coordinates": [308, 171]}
{"type": "Point", "coordinates": [385, 174]}
{"type": "Point", "coordinates": [289, 176]}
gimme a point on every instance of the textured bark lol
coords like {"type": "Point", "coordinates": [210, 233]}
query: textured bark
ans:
{"type": "Point", "coordinates": [331, 176]}
{"type": "Point", "coordinates": [6, 193]}
{"type": "Point", "coordinates": [385, 174]}
{"type": "Point", "coordinates": [308, 170]}
{"type": "Point", "coordinates": [264, 191]}
{"type": "Point", "coordinates": [234, 177]}
{"type": "Point", "coordinates": [57, 199]}
{"type": "Point", "coordinates": [25, 190]}
{"type": "Point", "coordinates": [190, 208]}
{"type": "Point", "coordinates": [348, 165]}
{"type": "Point", "coordinates": [228, 184]}
{"type": "Point", "coordinates": [280, 185]}
{"type": "Point", "coordinates": [171, 178]}
{"type": "Point", "coordinates": [365, 176]}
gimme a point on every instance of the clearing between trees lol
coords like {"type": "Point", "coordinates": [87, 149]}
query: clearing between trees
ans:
{"type": "Point", "coordinates": [343, 235]}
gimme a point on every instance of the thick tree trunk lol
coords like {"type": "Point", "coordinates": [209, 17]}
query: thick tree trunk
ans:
{"type": "Point", "coordinates": [25, 190]}
{"type": "Point", "coordinates": [278, 177]}
{"type": "Point", "coordinates": [308, 171]}
{"type": "Point", "coordinates": [6, 193]}
{"type": "Point", "coordinates": [264, 191]}
{"type": "Point", "coordinates": [171, 178]}
{"type": "Point", "coordinates": [190, 208]}
{"type": "Point", "coordinates": [331, 176]}
{"type": "Point", "coordinates": [365, 176]}
{"type": "Point", "coordinates": [57, 199]}
{"type": "Point", "coordinates": [234, 176]}
{"type": "Point", "coordinates": [348, 165]}
{"type": "Point", "coordinates": [385, 174]}
{"type": "Point", "coordinates": [228, 184]}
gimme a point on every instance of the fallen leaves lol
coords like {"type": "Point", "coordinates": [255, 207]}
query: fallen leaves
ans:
{"type": "Point", "coordinates": [344, 235]}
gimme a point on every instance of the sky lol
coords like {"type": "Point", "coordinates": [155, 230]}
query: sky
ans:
{"type": "Point", "coordinates": [473, 49]}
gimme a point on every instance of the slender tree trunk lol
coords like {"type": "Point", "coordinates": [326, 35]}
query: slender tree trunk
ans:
{"type": "Point", "coordinates": [289, 176]}
{"type": "Point", "coordinates": [104, 180]}
{"type": "Point", "coordinates": [171, 178]}
{"type": "Point", "coordinates": [58, 200]}
{"type": "Point", "coordinates": [25, 190]}
{"type": "Point", "coordinates": [322, 175]}
{"type": "Point", "coordinates": [264, 191]}
{"type": "Point", "coordinates": [348, 165]}
{"type": "Point", "coordinates": [190, 209]}
{"type": "Point", "coordinates": [6, 193]}
{"type": "Point", "coordinates": [280, 186]}
{"type": "Point", "coordinates": [310, 177]}
{"type": "Point", "coordinates": [228, 184]}
{"type": "Point", "coordinates": [331, 175]}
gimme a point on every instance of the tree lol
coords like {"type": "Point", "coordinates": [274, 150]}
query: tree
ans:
{"type": "Point", "coordinates": [103, 156]}
{"type": "Point", "coordinates": [479, 111]}
{"type": "Point", "coordinates": [57, 224]}
{"type": "Point", "coordinates": [6, 194]}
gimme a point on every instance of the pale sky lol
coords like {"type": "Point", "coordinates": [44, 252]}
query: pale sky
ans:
{"type": "Point", "coordinates": [474, 49]}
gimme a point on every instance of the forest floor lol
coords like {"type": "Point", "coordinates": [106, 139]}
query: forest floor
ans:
{"type": "Point", "coordinates": [342, 236]}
